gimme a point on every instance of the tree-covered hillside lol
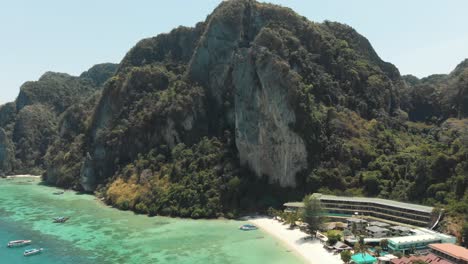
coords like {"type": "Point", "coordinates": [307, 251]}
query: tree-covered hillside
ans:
{"type": "Point", "coordinates": [30, 125]}
{"type": "Point", "coordinates": [250, 108]}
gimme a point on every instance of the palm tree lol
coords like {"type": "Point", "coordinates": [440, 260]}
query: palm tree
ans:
{"type": "Point", "coordinates": [384, 244]}
{"type": "Point", "coordinates": [291, 219]}
{"type": "Point", "coordinates": [378, 250]}
{"type": "Point", "coordinates": [271, 212]}
{"type": "Point", "coordinates": [354, 228]}
{"type": "Point", "coordinates": [413, 249]}
{"type": "Point", "coordinates": [361, 247]}
{"type": "Point", "coordinates": [346, 256]}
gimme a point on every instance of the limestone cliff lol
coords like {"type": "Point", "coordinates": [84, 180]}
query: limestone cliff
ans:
{"type": "Point", "coordinates": [253, 62]}
{"type": "Point", "coordinates": [6, 152]}
{"type": "Point", "coordinates": [251, 107]}
{"type": "Point", "coordinates": [263, 115]}
{"type": "Point", "coordinates": [30, 124]}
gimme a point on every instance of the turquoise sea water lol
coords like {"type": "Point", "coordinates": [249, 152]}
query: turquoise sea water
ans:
{"type": "Point", "coordinates": [96, 233]}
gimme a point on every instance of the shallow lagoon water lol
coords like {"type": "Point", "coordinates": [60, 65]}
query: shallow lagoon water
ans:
{"type": "Point", "coordinates": [97, 233]}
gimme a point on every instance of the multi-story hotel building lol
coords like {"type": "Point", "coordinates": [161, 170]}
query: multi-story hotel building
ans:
{"type": "Point", "coordinates": [400, 212]}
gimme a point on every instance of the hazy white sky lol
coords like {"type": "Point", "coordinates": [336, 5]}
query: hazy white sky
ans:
{"type": "Point", "coordinates": [420, 37]}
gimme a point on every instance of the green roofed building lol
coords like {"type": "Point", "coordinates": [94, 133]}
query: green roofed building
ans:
{"type": "Point", "coordinates": [361, 258]}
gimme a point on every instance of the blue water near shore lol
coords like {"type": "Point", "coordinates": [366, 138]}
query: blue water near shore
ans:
{"type": "Point", "coordinates": [96, 233]}
{"type": "Point", "coordinates": [55, 252]}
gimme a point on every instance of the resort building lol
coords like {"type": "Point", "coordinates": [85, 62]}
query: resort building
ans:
{"type": "Point", "coordinates": [361, 258]}
{"type": "Point", "coordinates": [293, 206]}
{"type": "Point", "coordinates": [389, 210]}
{"type": "Point", "coordinates": [417, 242]}
{"type": "Point", "coordinates": [377, 232]}
{"type": "Point", "coordinates": [401, 230]}
{"type": "Point", "coordinates": [379, 224]}
{"type": "Point", "coordinates": [358, 223]}
{"type": "Point", "coordinates": [450, 252]}
{"type": "Point", "coordinates": [430, 258]}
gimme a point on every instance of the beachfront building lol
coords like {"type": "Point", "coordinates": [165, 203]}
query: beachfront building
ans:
{"type": "Point", "coordinates": [389, 210]}
{"type": "Point", "coordinates": [379, 224]}
{"type": "Point", "coordinates": [429, 258]}
{"type": "Point", "coordinates": [363, 258]}
{"type": "Point", "coordinates": [380, 208]}
{"type": "Point", "coordinates": [358, 223]}
{"type": "Point", "coordinates": [401, 231]}
{"type": "Point", "coordinates": [450, 252]}
{"type": "Point", "coordinates": [293, 207]}
{"type": "Point", "coordinates": [417, 242]}
{"type": "Point", "coordinates": [377, 232]}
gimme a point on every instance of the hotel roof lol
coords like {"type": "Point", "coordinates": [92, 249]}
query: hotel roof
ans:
{"type": "Point", "coordinates": [451, 250]}
{"type": "Point", "coordinates": [414, 239]}
{"type": "Point", "coordinates": [415, 207]}
{"type": "Point", "coordinates": [379, 224]}
{"type": "Point", "coordinates": [294, 204]}
{"type": "Point", "coordinates": [401, 228]}
{"type": "Point", "coordinates": [377, 229]}
{"type": "Point", "coordinates": [356, 220]}
{"type": "Point", "coordinates": [430, 258]}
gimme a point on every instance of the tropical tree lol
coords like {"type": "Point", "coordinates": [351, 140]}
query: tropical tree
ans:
{"type": "Point", "coordinates": [378, 250]}
{"type": "Point", "coordinates": [360, 246]}
{"type": "Point", "coordinates": [346, 256]}
{"type": "Point", "coordinates": [333, 237]}
{"type": "Point", "coordinates": [271, 212]}
{"type": "Point", "coordinates": [465, 234]}
{"type": "Point", "coordinates": [291, 219]}
{"type": "Point", "coordinates": [312, 214]}
{"type": "Point", "coordinates": [384, 244]}
{"type": "Point", "coordinates": [413, 249]}
{"type": "Point", "coordinates": [354, 228]}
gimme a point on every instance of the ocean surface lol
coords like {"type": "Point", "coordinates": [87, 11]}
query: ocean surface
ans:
{"type": "Point", "coordinates": [97, 233]}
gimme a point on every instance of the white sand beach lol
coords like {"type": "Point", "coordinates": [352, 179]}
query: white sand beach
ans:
{"type": "Point", "coordinates": [23, 176]}
{"type": "Point", "coordinates": [311, 250]}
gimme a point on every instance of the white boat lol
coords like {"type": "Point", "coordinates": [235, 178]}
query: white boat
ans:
{"type": "Point", "coordinates": [248, 227]}
{"type": "Point", "coordinates": [34, 251]}
{"type": "Point", "coordinates": [19, 243]}
{"type": "Point", "coordinates": [61, 219]}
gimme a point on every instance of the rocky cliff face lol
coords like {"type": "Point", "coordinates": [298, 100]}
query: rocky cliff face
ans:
{"type": "Point", "coordinates": [263, 115]}
{"type": "Point", "coordinates": [251, 60]}
{"type": "Point", "coordinates": [253, 106]}
{"type": "Point", "coordinates": [6, 152]}
{"type": "Point", "coordinates": [439, 96]}
{"type": "Point", "coordinates": [30, 124]}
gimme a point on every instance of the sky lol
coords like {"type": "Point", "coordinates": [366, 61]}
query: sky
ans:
{"type": "Point", "coordinates": [421, 37]}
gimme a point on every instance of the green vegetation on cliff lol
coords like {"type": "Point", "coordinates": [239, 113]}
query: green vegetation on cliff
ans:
{"type": "Point", "coordinates": [36, 119]}
{"type": "Point", "coordinates": [252, 107]}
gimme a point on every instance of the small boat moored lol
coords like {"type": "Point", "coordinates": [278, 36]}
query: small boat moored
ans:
{"type": "Point", "coordinates": [61, 219]}
{"type": "Point", "coordinates": [34, 251]}
{"type": "Point", "coordinates": [19, 243]}
{"type": "Point", "coordinates": [248, 227]}
{"type": "Point", "coordinates": [58, 193]}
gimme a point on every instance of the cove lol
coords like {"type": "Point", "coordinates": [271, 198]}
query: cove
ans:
{"type": "Point", "coordinates": [97, 233]}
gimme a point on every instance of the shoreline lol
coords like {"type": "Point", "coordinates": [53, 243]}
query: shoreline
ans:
{"type": "Point", "coordinates": [22, 176]}
{"type": "Point", "coordinates": [311, 251]}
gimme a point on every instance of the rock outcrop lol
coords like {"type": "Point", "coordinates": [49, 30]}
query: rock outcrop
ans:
{"type": "Point", "coordinates": [6, 153]}
{"type": "Point", "coordinates": [263, 116]}
{"type": "Point", "coordinates": [249, 108]}
{"type": "Point", "coordinates": [34, 121]}
{"type": "Point", "coordinates": [253, 61]}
